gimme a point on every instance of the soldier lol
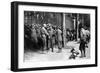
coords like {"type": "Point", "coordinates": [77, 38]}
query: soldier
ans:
{"type": "Point", "coordinates": [51, 37]}
{"type": "Point", "coordinates": [59, 35]}
{"type": "Point", "coordinates": [34, 37]}
{"type": "Point", "coordinates": [39, 38]}
{"type": "Point", "coordinates": [45, 36]}
{"type": "Point", "coordinates": [82, 42]}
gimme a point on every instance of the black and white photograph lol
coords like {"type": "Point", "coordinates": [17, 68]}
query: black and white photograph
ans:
{"type": "Point", "coordinates": [50, 36]}
{"type": "Point", "coordinates": [53, 36]}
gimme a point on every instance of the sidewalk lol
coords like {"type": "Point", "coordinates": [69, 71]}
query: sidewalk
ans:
{"type": "Point", "coordinates": [54, 56]}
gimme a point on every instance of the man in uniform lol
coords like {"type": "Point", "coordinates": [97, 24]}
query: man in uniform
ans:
{"type": "Point", "coordinates": [45, 36]}
{"type": "Point", "coordinates": [59, 35]}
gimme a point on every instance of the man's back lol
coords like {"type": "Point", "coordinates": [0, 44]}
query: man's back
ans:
{"type": "Point", "coordinates": [59, 35]}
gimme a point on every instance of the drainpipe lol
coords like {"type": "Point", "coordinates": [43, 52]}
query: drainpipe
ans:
{"type": "Point", "coordinates": [64, 30]}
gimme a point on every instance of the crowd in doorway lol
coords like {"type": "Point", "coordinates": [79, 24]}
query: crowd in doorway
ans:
{"type": "Point", "coordinates": [70, 35]}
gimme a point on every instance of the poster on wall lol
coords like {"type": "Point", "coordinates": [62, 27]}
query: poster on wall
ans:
{"type": "Point", "coordinates": [52, 36]}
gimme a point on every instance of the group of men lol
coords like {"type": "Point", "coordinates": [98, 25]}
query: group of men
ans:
{"type": "Point", "coordinates": [47, 37]}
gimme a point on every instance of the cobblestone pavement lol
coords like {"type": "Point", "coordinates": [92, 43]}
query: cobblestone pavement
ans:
{"type": "Point", "coordinates": [30, 56]}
